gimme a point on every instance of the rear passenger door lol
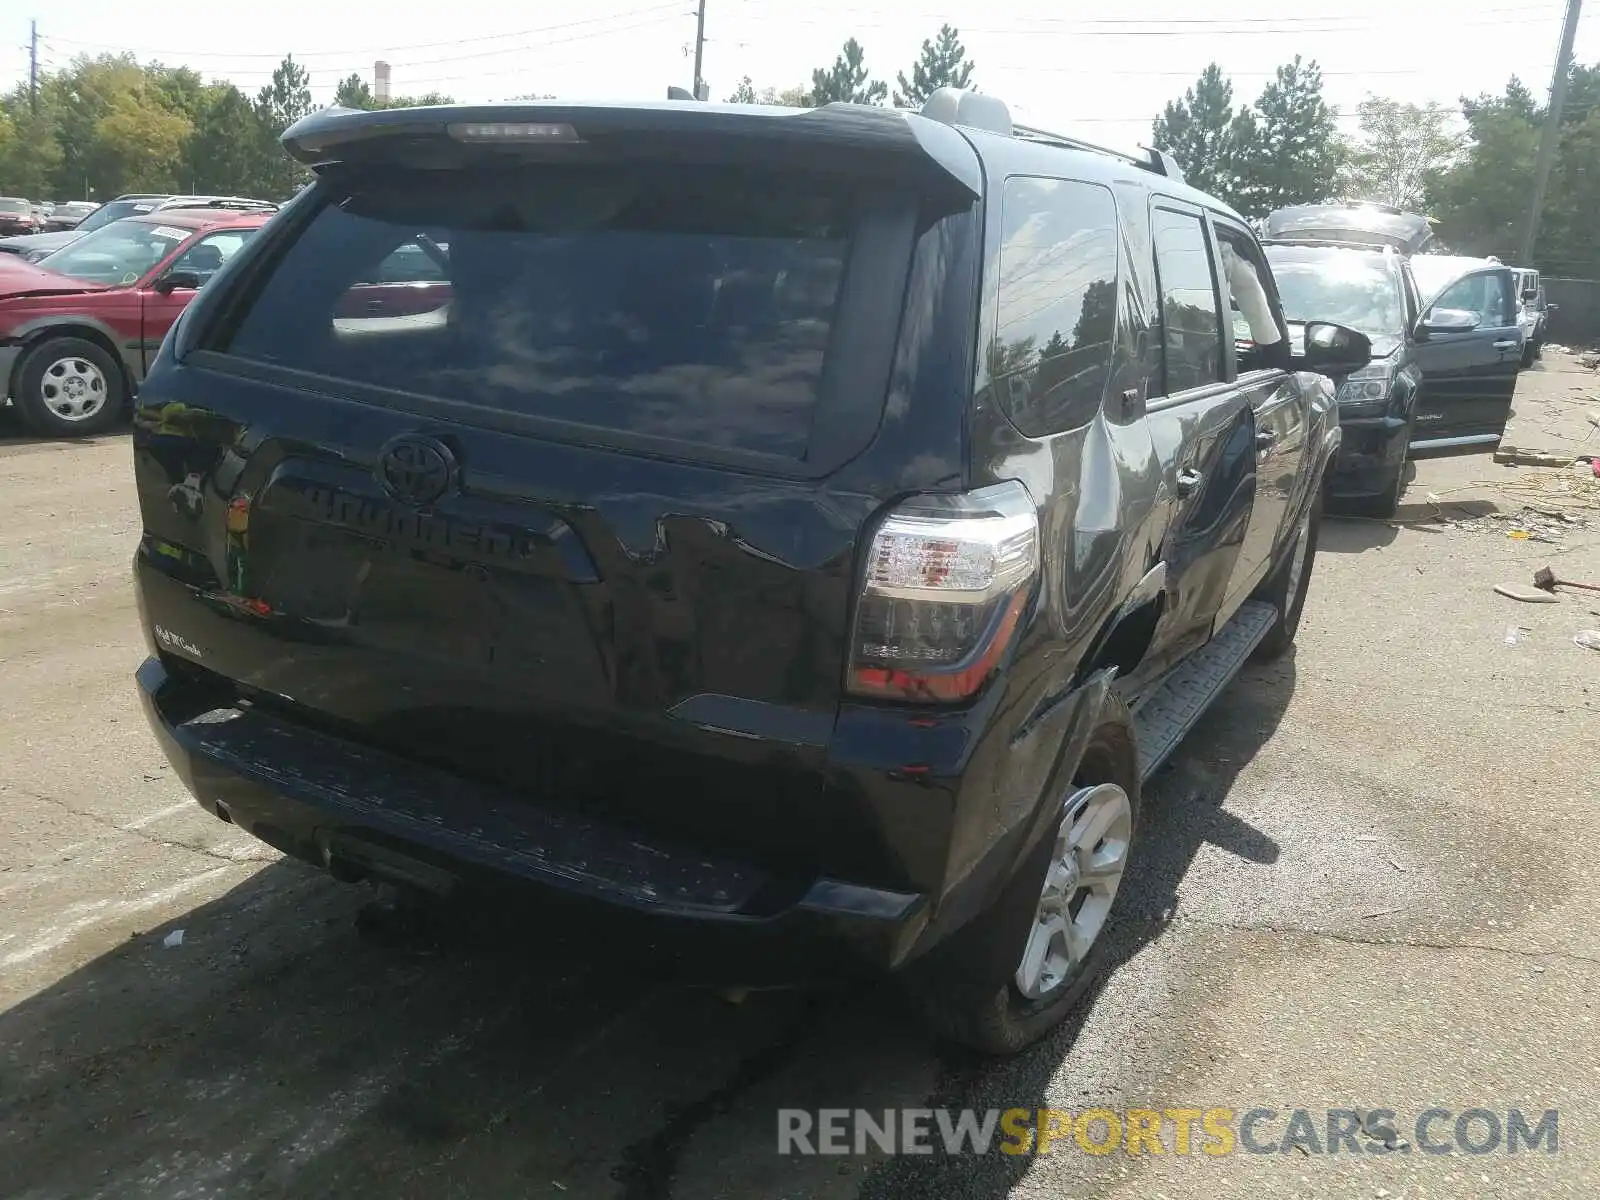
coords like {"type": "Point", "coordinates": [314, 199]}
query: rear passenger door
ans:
{"type": "Point", "coordinates": [1468, 374]}
{"type": "Point", "coordinates": [1203, 428]}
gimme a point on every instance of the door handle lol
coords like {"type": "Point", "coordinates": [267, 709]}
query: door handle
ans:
{"type": "Point", "coordinates": [1507, 345]}
{"type": "Point", "coordinates": [1188, 480]}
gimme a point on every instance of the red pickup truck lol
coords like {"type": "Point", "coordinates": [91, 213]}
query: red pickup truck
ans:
{"type": "Point", "coordinates": [78, 328]}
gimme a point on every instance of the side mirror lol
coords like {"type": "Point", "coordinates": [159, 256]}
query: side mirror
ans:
{"type": "Point", "coordinates": [1550, 308]}
{"type": "Point", "coordinates": [1331, 347]}
{"type": "Point", "coordinates": [173, 280]}
{"type": "Point", "coordinates": [1447, 320]}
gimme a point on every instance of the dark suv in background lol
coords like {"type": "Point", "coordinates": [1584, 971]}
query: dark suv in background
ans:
{"type": "Point", "coordinates": [1434, 382]}
{"type": "Point", "coordinates": [1438, 382]}
{"type": "Point", "coordinates": [812, 522]}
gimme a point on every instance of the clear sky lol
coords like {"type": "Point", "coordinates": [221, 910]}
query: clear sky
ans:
{"type": "Point", "coordinates": [1102, 73]}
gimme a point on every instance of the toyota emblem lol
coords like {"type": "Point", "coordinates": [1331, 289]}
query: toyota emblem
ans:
{"type": "Point", "coordinates": [417, 470]}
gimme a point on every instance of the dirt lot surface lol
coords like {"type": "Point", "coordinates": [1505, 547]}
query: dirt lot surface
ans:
{"type": "Point", "coordinates": [1370, 880]}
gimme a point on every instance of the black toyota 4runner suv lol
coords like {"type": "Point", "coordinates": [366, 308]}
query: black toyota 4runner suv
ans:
{"type": "Point", "coordinates": [815, 521]}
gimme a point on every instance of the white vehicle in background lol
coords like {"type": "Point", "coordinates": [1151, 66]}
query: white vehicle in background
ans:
{"type": "Point", "coordinates": [1532, 312]}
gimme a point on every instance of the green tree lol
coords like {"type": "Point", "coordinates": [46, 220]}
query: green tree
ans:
{"type": "Point", "coordinates": [427, 99]}
{"type": "Point", "coordinates": [847, 80]}
{"type": "Point", "coordinates": [1566, 241]}
{"type": "Point", "coordinates": [287, 98]}
{"type": "Point", "coordinates": [942, 63]}
{"type": "Point", "coordinates": [227, 153]}
{"type": "Point", "coordinates": [353, 92]}
{"type": "Point", "coordinates": [30, 153]}
{"type": "Point", "coordinates": [82, 95]}
{"type": "Point", "coordinates": [181, 89]}
{"type": "Point", "coordinates": [745, 93]}
{"type": "Point", "coordinates": [1298, 151]}
{"type": "Point", "coordinates": [1206, 136]}
{"type": "Point", "coordinates": [139, 142]}
{"type": "Point", "coordinates": [1481, 202]}
{"type": "Point", "coordinates": [1400, 148]}
{"type": "Point", "coordinates": [279, 105]}
{"type": "Point", "coordinates": [792, 97]}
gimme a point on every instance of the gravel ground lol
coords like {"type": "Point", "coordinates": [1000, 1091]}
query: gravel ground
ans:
{"type": "Point", "coordinates": [1369, 881]}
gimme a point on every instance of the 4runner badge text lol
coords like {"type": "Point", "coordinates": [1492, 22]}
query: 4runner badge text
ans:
{"type": "Point", "coordinates": [173, 641]}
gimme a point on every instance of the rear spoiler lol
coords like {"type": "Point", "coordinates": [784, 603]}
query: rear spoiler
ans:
{"type": "Point", "coordinates": [861, 138]}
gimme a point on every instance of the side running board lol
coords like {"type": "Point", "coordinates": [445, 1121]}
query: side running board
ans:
{"type": "Point", "coordinates": [1161, 722]}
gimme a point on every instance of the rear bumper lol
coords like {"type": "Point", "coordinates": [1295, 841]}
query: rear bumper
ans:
{"type": "Point", "coordinates": [362, 813]}
{"type": "Point", "coordinates": [1370, 451]}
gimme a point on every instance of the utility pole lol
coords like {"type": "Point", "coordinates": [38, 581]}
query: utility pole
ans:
{"type": "Point", "coordinates": [700, 47]}
{"type": "Point", "coordinates": [1550, 135]}
{"type": "Point", "coordinates": [33, 65]}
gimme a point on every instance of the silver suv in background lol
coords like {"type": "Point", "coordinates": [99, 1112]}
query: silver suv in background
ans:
{"type": "Point", "coordinates": [1533, 312]}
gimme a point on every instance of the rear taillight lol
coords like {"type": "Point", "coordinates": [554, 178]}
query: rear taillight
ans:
{"type": "Point", "coordinates": [946, 581]}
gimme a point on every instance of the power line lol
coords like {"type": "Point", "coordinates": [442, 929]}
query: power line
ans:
{"type": "Point", "coordinates": [1140, 73]}
{"type": "Point", "coordinates": [1139, 22]}
{"type": "Point", "coordinates": [260, 73]}
{"type": "Point", "coordinates": [1098, 27]}
{"type": "Point", "coordinates": [371, 51]}
{"type": "Point", "coordinates": [1140, 27]}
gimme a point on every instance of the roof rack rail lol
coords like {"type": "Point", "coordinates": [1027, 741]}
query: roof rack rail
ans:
{"type": "Point", "coordinates": [962, 106]}
{"type": "Point", "coordinates": [1330, 242]}
{"type": "Point", "coordinates": [239, 202]}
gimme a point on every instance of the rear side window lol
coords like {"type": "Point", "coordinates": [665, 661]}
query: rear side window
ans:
{"type": "Point", "coordinates": [695, 304]}
{"type": "Point", "coordinates": [1191, 318]}
{"type": "Point", "coordinates": [1057, 301]}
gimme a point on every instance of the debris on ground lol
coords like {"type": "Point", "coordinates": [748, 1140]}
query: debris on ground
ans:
{"type": "Point", "coordinates": [1516, 456]}
{"type": "Point", "coordinates": [1541, 505]}
{"type": "Point", "coordinates": [1528, 595]}
{"type": "Point", "coordinates": [1514, 634]}
{"type": "Point", "coordinates": [1545, 579]}
{"type": "Point", "coordinates": [173, 940]}
{"type": "Point", "coordinates": [1589, 639]}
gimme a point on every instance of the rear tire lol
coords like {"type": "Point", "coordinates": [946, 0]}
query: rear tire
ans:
{"type": "Point", "coordinates": [967, 988]}
{"type": "Point", "coordinates": [1285, 589]}
{"type": "Point", "coordinates": [69, 387]}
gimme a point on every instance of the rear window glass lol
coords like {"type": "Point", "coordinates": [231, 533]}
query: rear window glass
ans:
{"type": "Point", "coordinates": [695, 304]}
